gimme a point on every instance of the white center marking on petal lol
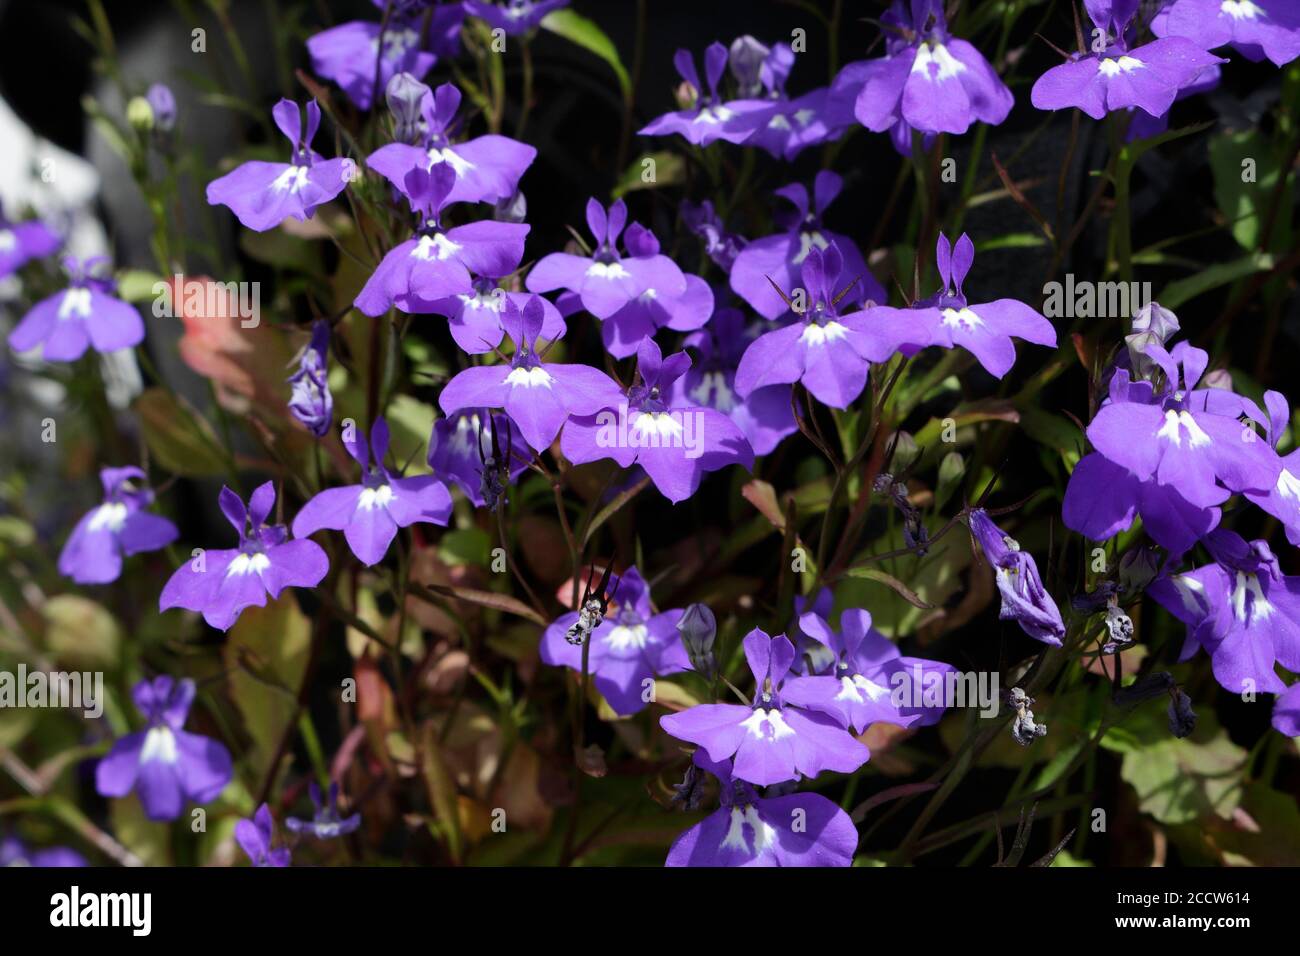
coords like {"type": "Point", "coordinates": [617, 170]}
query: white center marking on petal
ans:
{"type": "Point", "coordinates": [1259, 609]}
{"type": "Point", "coordinates": [625, 637]}
{"type": "Point", "coordinates": [807, 240]}
{"type": "Point", "coordinates": [1171, 430]}
{"type": "Point", "coordinates": [767, 724]}
{"type": "Point", "coordinates": [397, 43]}
{"type": "Point", "coordinates": [494, 301]}
{"type": "Point", "coordinates": [372, 498]}
{"type": "Point", "coordinates": [292, 179]}
{"type": "Point", "coordinates": [529, 377]}
{"type": "Point", "coordinates": [852, 688]}
{"type": "Point", "coordinates": [946, 65]}
{"type": "Point", "coordinates": [459, 164]}
{"type": "Point", "coordinates": [1189, 589]}
{"type": "Point", "coordinates": [1125, 64]}
{"type": "Point", "coordinates": [1242, 10]}
{"type": "Point", "coordinates": [764, 834]}
{"type": "Point", "coordinates": [110, 516]}
{"type": "Point", "coordinates": [661, 425]}
{"type": "Point", "coordinates": [435, 247]}
{"type": "Point", "coordinates": [248, 564]}
{"type": "Point", "coordinates": [607, 270]}
{"type": "Point", "coordinates": [8, 241]}
{"type": "Point", "coordinates": [714, 384]}
{"type": "Point", "coordinates": [961, 319]}
{"type": "Point", "coordinates": [159, 745]}
{"type": "Point", "coordinates": [817, 335]}
{"type": "Point", "coordinates": [75, 304]}
{"type": "Point", "coordinates": [1288, 486]}
{"type": "Point", "coordinates": [713, 115]}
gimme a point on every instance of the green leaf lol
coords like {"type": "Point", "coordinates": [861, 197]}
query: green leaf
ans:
{"type": "Point", "coordinates": [137, 285]}
{"type": "Point", "coordinates": [664, 169]}
{"type": "Point", "coordinates": [179, 439]}
{"type": "Point", "coordinates": [80, 632]}
{"type": "Point", "coordinates": [469, 546]}
{"type": "Point", "coordinates": [579, 30]}
{"type": "Point", "coordinates": [891, 582]}
{"type": "Point", "coordinates": [1211, 277]}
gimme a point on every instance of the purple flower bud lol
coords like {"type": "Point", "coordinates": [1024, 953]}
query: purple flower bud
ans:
{"type": "Point", "coordinates": [406, 96]}
{"type": "Point", "coordinates": [513, 208]}
{"type": "Point", "coordinates": [163, 104]}
{"type": "Point", "coordinates": [311, 402]}
{"type": "Point", "coordinates": [745, 60]}
{"type": "Point", "coordinates": [699, 628]}
{"type": "Point", "coordinates": [1137, 569]}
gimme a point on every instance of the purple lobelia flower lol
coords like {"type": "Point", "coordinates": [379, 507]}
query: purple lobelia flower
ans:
{"type": "Point", "coordinates": [772, 740]}
{"type": "Point", "coordinates": [1142, 125]}
{"type": "Point", "coordinates": [87, 314]}
{"type": "Point", "coordinates": [707, 119]}
{"type": "Point", "coordinates": [827, 352]}
{"type": "Point", "coordinates": [928, 81]}
{"type": "Point", "coordinates": [538, 396]}
{"type": "Point", "coordinates": [326, 824]}
{"type": "Point", "coordinates": [797, 829]}
{"type": "Point", "coordinates": [720, 245]}
{"type": "Point", "coordinates": [779, 258]}
{"type": "Point", "coordinates": [21, 242]}
{"type": "Point", "coordinates": [515, 17]}
{"type": "Point", "coordinates": [1186, 438]}
{"type": "Point", "coordinates": [464, 450]}
{"type": "Point", "coordinates": [787, 126]}
{"type": "Point", "coordinates": [118, 527]}
{"type": "Point", "coordinates": [675, 444]}
{"type": "Point", "coordinates": [254, 838]}
{"type": "Point", "coordinates": [947, 320]}
{"type": "Point", "coordinates": [861, 687]}
{"type": "Point", "coordinates": [1241, 609]}
{"type": "Point", "coordinates": [1024, 599]}
{"type": "Point", "coordinates": [220, 584]}
{"type": "Point", "coordinates": [607, 282]}
{"type": "Point", "coordinates": [14, 853]}
{"type": "Point", "coordinates": [1115, 77]}
{"type": "Point", "coordinates": [487, 168]}
{"type": "Point", "coordinates": [437, 263]}
{"type": "Point", "coordinates": [348, 53]}
{"type": "Point", "coordinates": [765, 415]}
{"type": "Point", "coordinates": [1255, 28]}
{"type": "Point", "coordinates": [1282, 501]}
{"type": "Point", "coordinates": [370, 513]}
{"type": "Point", "coordinates": [262, 195]}
{"type": "Point", "coordinates": [1286, 711]}
{"type": "Point", "coordinates": [475, 318]}
{"type": "Point", "coordinates": [628, 649]}
{"type": "Point", "coordinates": [163, 764]}
{"type": "Point", "coordinates": [653, 309]}
{"type": "Point", "coordinates": [311, 402]}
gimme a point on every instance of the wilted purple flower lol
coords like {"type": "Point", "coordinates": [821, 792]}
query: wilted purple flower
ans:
{"type": "Point", "coordinates": [326, 824]}
{"type": "Point", "coordinates": [771, 742]}
{"type": "Point", "coordinates": [118, 527]}
{"type": "Point", "coordinates": [948, 321]}
{"type": "Point", "coordinates": [538, 396]}
{"type": "Point", "coordinates": [311, 402]}
{"type": "Point", "coordinates": [516, 17]}
{"type": "Point", "coordinates": [780, 257]}
{"type": "Point", "coordinates": [87, 314]}
{"type": "Point", "coordinates": [220, 584]}
{"type": "Point", "coordinates": [254, 838]}
{"type": "Point", "coordinates": [1242, 610]}
{"type": "Point", "coordinates": [929, 80]}
{"type": "Point", "coordinates": [1024, 599]}
{"type": "Point", "coordinates": [347, 53]}
{"type": "Point", "coordinates": [628, 649]}
{"type": "Point", "coordinates": [676, 445]}
{"type": "Point", "coordinates": [163, 104]}
{"type": "Point", "coordinates": [637, 292]}
{"type": "Point", "coordinates": [828, 352]}
{"type": "Point", "coordinates": [1025, 729]}
{"type": "Point", "coordinates": [1182, 719]}
{"type": "Point", "coordinates": [21, 242]}
{"type": "Point", "coordinates": [14, 853]}
{"type": "Point", "coordinates": [863, 684]}
{"type": "Point", "coordinates": [720, 245]}
{"type": "Point", "coordinates": [461, 451]}
{"type": "Point", "coordinates": [798, 829]}
{"type": "Point", "coordinates": [487, 168]}
{"type": "Point", "coordinates": [1255, 28]}
{"type": "Point", "coordinates": [1286, 712]}
{"type": "Point", "coordinates": [708, 119]}
{"type": "Point", "coordinates": [370, 513]}
{"type": "Point", "coordinates": [163, 764]}
{"type": "Point", "coordinates": [765, 415]}
{"type": "Point", "coordinates": [262, 195]}
{"type": "Point", "coordinates": [438, 263]}
{"type": "Point", "coordinates": [1114, 78]}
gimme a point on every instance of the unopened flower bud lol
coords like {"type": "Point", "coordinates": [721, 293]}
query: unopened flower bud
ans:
{"type": "Point", "coordinates": [140, 114]}
{"type": "Point", "coordinates": [163, 104]}
{"type": "Point", "coordinates": [405, 95]}
{"type": "Point", "coordinates": [699, 628]}
{"type": "Point", "coordinates": [1138, 568]}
